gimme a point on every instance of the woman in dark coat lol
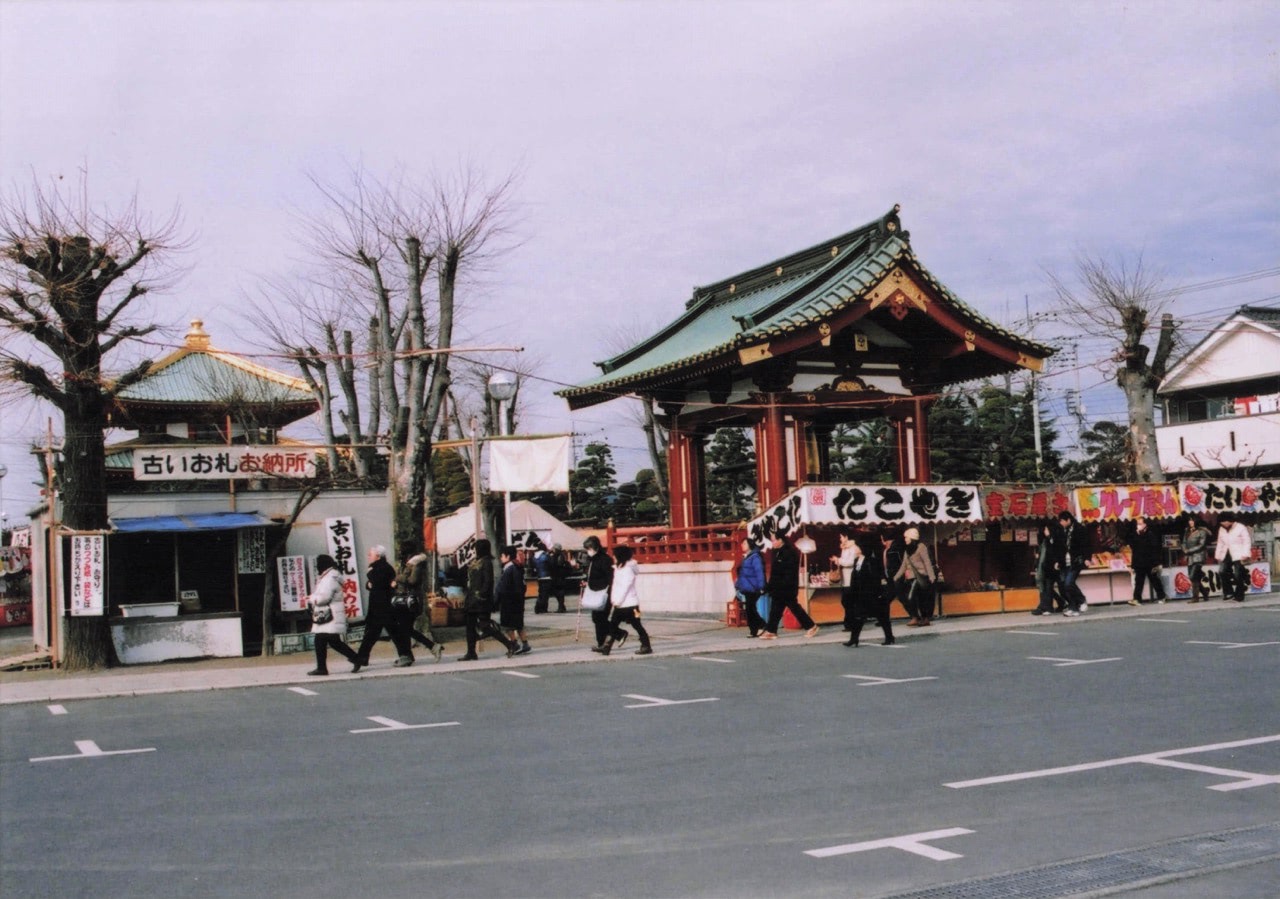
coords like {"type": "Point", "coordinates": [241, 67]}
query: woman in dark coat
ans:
{"type": "Point", "coordinates": [599, 576]}
{"type": "Point", "coordinates": [1145, 561]}
{"type": "Point", "coordinates": [478, 607]}
{"type": "Point", "coordinates": [511, 598]}
{"type": "Point", "coordinates": [868, 600]}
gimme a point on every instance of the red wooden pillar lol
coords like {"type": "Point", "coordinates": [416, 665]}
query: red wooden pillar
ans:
{"type": "Point", "coordinates": [911, 438]}
{"type": "Point", "coordinates": [771, 455]}
{"type": "Point", "coordinates": [685, 480]}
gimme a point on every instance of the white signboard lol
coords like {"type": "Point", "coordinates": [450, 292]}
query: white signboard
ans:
{"type": "Point", "coordinates": [88, 568]}
{"type": "Point", "coordinates": [341, 534]}
{"type": "Point", "coordinates": [869, 504]}
{"type": "Point", "coordinates": [162, 463]}
{"type": "Point", "coordinates": [251, 550]}
{"type": "Point", "coordinates": [291, 575]}
{"type": "Point", "coordinates": [1230, 496]}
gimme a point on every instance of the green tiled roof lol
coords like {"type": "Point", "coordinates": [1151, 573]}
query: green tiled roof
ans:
{"type": "Point", "coordinates": [210, 377]}
{"type": "Point", "coordinates": [774, 300]}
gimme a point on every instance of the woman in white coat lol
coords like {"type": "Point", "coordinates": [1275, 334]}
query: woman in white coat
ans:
{"type": "Point", "coordinates": [329, 617]}
{"type": "Point", "coordinates": [1234, 551]}
{"type": "Point", "coordinates": [626, 605]}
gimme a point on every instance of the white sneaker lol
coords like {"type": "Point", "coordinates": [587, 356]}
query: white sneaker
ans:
{"type": "Point", "coordinates": [1084, 607]}
{"type": "Point", "coordinates": [812, 632]}
{"type": "Point", "coordinates": [1070, 613]}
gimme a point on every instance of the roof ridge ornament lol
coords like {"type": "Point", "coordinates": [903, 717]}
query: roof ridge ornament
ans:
{"type": "Point", "coordinates": [197, 338]}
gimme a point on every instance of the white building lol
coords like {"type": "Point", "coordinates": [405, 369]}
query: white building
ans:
{"type": "Point", "coordinates": [1221, 401]}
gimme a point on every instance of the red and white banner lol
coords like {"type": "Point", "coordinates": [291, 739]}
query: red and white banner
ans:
{"type": "Point", "coordinates": [341, 534]}
{"type": "Point", "coordinates": [88, 569]}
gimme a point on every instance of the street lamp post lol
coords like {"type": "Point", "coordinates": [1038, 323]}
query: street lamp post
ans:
{"type": "Point", "coordinates": [502, 387]}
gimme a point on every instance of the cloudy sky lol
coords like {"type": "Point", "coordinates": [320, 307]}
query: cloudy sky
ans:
{"type": "Point", "coordinates": [666, 145]}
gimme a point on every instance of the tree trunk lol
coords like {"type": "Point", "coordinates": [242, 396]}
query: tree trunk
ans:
{"type": "Point", "coordinates": [1140, 398]}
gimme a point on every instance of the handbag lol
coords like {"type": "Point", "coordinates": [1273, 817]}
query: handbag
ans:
{"type": "Point", "coordinates": [595, 599]}
{"type": "Point", "coordinates": [409, 602]}
{"type": "Point", "coordinates": [321, 614]}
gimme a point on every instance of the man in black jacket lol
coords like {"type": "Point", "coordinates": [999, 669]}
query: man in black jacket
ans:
{"type": "Point", "coordinates": [784, 587]}
{"type": "Point", "coordinates": [1073, 552]}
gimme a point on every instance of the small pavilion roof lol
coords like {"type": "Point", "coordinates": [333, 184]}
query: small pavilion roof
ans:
{"type": "Point", "coordinates": [783, 298]}
{"type": "Point", "coordinates": [199, 377]}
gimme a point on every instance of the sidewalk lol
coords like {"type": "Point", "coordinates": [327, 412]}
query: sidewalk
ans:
{"type": "Point", "coordinates": [552, 638]}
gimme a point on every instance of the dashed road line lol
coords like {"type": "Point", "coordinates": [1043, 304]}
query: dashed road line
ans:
{"type": "Point", "coordinates": [1225, 645]}
{"type": "Point", "coordinates": [390, 724]}
{"type": "Point", "coordinates": [712, 659]}
{"type": "Point", "coordinates": [653, 702]}
{"type": "Point", "coordinates": [1066, 663]}
{"type": "Point", "coordinates": [57, 710]}
{"type": "Point", "coordinates": [524, 674]}
{"type": "Point", "coordinates": [881, 681]}
{"type": "Point", "coordinates": [89, 750]}
{"type": "Point", "coordinates": [303, 691]}
{"type": "Point", "coordinates": [914, 843]}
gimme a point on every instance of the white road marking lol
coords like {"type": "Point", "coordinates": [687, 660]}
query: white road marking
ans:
{"type": "Point", "coordinates": [912, 842]}
{"type": "Point", "coordinates": [1035, 633]}
{"type": "Point", "coordinates": [1164, 620]}
{"type": "Point", "coordinates": [390, 724]}
{"type": "Point", "coordinates": [880, 681]}
{"type": "Point", "coordinates": [89, 750]}
{"type": "Point", "coordinates": [1152, 758]}
{"type": "Point", "coordinates": [652, 702]}
{"type": "Point", "coordinates": [1065, 663]}
{"type": "Point", "coordinates": [522, 674]}
{"type": "Point", "coordinates": [712, 659]}
{"type": "Point", "coordinates": [1225, 645]}
{"type": "Point", "coordinates": [303, 691]}
{"type": "Point", "coordinates": [57, 710]}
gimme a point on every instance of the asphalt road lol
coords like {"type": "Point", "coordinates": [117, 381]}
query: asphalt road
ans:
{"type": "Point", "coordinates": [1134, 757]}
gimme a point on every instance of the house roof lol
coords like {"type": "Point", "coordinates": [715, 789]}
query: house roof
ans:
{"type": "Point", "coordinates": [777, 300]}
{"type": "Point", "coordinates": [1242, 347]}
{"type": "Point", "coordinates": [198, 375]}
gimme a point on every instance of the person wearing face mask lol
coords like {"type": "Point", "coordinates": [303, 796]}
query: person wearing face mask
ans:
{"type": "Point", "coordinates": [599, 577]}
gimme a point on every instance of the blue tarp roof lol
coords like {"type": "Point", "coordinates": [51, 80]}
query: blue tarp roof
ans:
{"type": "Point", "coordinates": [207, 521]}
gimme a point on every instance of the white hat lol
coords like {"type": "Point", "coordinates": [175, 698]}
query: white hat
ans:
{"type": "Point", "coordinates": [911, 534]}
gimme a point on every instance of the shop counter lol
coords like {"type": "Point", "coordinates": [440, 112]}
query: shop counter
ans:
{"type": "Point", "coordinates": [154, 638]}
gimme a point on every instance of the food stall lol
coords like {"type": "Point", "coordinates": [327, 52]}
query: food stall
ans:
{"type": "Point", "coordinates": [1256, 503]}
{"type": "Point", "coordinates": [1107, 511]}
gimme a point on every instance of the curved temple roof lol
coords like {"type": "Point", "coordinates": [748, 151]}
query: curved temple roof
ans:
{"type": "Point", "coordinates": [734, 322]}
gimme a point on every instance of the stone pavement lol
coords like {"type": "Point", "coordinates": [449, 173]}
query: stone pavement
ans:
{"type": "Point", "coordinates": [552, 637]}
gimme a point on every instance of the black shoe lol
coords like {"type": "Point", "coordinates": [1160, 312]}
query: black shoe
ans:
{"type": "Point", "coordinates": [849, 643]}
{"type": "Point", "coordinates": [525, 649]}
{"type": "Point", "coordinates": [645, 651]}
{"type": "Point", "coordinates": [622, 639]}
{"type": "Point", "coordinates": [512, 650]}
{"type": "Point", "coordinates": [561, 609]}
{"type": "Point", "coordinates": [403, 662]}
{"type": "Point", "coordinates": [357, 664]}
{"type": "Point", "coordinates": [889, 642]}
{"type": "Point", "coordinates": [469, 657]}
{"type": "Point", "coordinates": [603, 649]}
{"type": "Point", "coordinates": [319, 672]}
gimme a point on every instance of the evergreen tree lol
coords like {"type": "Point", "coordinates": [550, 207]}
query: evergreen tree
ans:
{"type": "Point", "coordinates": [451, 482]}
{"type": "Point", "coordinates": [731, 476]}
{"type": "Point", "coordinates": [1108, 459]}
{"type": "Point", "coordinates": [863, 453]}
{"type": "Point", "coordinates": [592, 484]}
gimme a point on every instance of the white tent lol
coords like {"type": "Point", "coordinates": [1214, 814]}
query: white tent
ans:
{"type": "Point", "coordinates": [529, 523]}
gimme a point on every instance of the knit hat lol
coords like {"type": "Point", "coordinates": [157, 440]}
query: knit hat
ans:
{"type": "Point", "coordinates": [911, 534]}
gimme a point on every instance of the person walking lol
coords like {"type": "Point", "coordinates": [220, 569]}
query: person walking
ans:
{"type": "Point", "coordinates": [890, 562]}
{"type": "Point", "coordinates": [846, 563]}
{"type": "Point", "coordinates": [598, 578]}
{"type": "Point", "coordinates": [917, 566]}
{"type": "Point", "coordinates": [510, 594]}
{"type": "Point", "coordinates": [1233, 550]}
{"type": "Point", "coordinates": [380, 582]}
{"type": "Point", "coordinates": [1145, 561]}
{"type": "Point", "coordinates": [784, 588]}
{"type": "Point", "coordinates": [408, 601]}
{"type": "Point", "coordinates": [1195, 545]}
{"type": "Point", "coordinates": [329, 617]}
{"type": "Point", "coordinates": [750, 584]}
{"type": "Point", "coordinates": [1072, 551]}
{"type": "Point", "coordinates": [869, 601]}
{"type": "Point", "coordinates": [1046, 577]}
{"type": "Point", "coordinates": [477, 608]}
{"type": "Point", "coordinates": [625, 599]}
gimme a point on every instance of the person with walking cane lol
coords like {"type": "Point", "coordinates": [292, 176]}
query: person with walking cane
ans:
{"type": "Point", "coordinates": [626, 605]}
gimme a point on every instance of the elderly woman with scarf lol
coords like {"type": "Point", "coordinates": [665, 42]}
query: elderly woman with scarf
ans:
{"type": "Point", "coordinates": [917, 566]}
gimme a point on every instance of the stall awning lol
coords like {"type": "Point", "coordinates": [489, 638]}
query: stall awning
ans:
{"type": "Point", "coordinates": [207, 521]}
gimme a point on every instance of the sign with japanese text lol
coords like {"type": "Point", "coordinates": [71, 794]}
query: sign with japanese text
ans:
{"type": "Point", "coordinates": [251, 550]}
{"type": "Point", "coordinates": [1010, 501]}
{"type": "Point", "coordinates": [88, 568]}
{"type": "Point", "coordinates": [20, 537]}
{"type": "Point", "coordinates": [1125, 502]}
{"type": "Point", "coordinates": [159, 463]}
{"type": "Point", "coordinates": [341, 534]}
{"type": "Point", "coordinates": [869, 504]}
{"type": "Point", "coordinates": [291, 575]}
{"type": "Point", "coordinates": [1177, 581]}
{"type": "Point", "coordinates": [1234, 496]}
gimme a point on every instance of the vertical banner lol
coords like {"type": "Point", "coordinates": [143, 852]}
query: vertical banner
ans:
{"type": "Point", "coordinates": [88, 556]}
{"type": "Point", "coordinates": [251, 550]}
{"type": "Point", "coordinates": [341, 534]}
{"type": "Point", "coordinates": [291, 575]}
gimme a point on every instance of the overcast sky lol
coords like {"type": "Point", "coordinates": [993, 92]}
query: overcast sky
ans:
{"type": "Point", "coordinates": [667, 145]}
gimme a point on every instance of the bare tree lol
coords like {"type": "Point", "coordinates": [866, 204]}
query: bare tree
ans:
{"type": "Point", "coordinates": [1118, 302]}
{"type": "Point", "coordinates": [73, 278]}
{"type": "Point", "coordinates": [395, 251]}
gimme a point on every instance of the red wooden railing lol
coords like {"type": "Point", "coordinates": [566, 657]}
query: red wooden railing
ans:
{"type": "Point", "coordinates": [704, 543]}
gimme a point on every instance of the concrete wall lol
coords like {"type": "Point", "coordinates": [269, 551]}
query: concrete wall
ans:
{"type": "Point", "coordinates": [690, 587]}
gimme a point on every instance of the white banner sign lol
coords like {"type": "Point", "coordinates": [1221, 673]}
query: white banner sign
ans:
{"type": "Point", "coordinates": [160, 463]}
{"type": "Point", "coordinates": [341, 534]}
{"type": "Point", "coordinates": [291, 575]}
{"type": "Point", "coordinates": [526, 465]}
{"type": "Point", "coordinates": [251, 550]}
{"type": "Point", "coordinates": [88, 567]}
{"type": "Point", "coordinates": [1234, 496]}
{"type": "Point", "coordinates": [869, 504]}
